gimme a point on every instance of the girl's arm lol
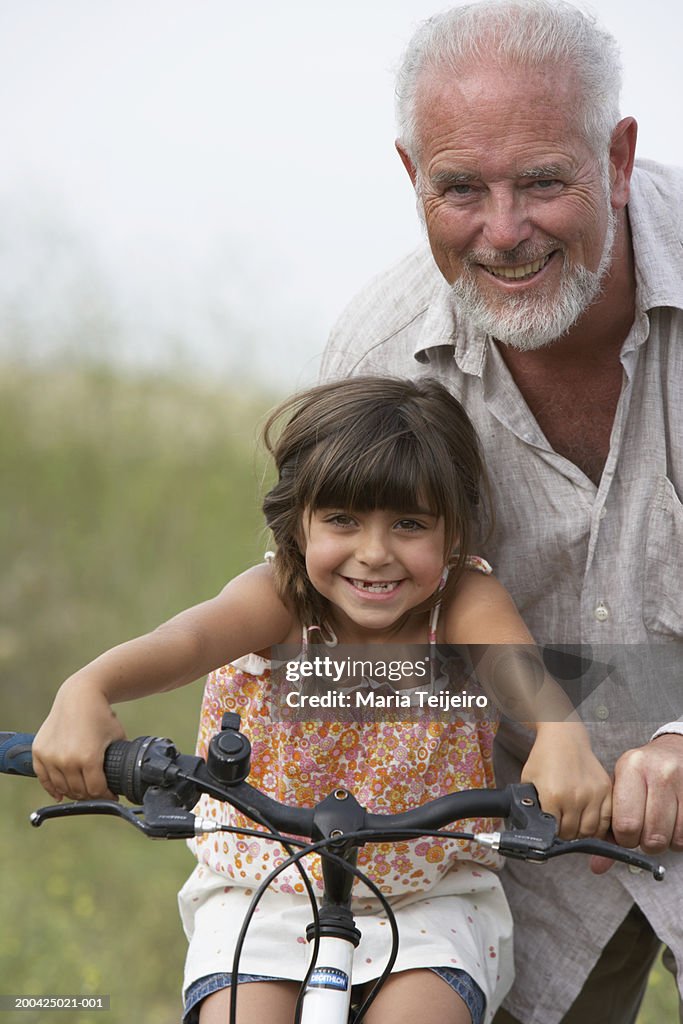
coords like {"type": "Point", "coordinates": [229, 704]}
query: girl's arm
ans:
{"type": "Point", "coordinates": [571, 782]}
{"type": "Point", "coordinates": [68, 750]}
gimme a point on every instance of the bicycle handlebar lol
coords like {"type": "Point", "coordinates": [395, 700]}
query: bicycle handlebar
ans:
{"type": "Point", "coordinates": [150, 770]}
{"type": "Point", "coordinates": [15, 753]}
{"type": "Point", "coordinates": [132, 767]}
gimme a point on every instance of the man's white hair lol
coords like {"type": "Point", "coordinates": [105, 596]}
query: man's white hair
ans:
{"type": "Point", "coordinates": [527, 33]}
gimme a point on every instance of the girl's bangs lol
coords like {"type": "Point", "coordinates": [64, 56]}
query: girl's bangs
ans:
{"type": "Point", "coordinates": [394, 473]}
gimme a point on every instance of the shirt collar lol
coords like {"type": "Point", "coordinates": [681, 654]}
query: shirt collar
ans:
{"type": "Point", "coordinates": [441, 329]}
{"type": "Point", "coordinates": [658, 247]}
{"type": "Point", "coordinates": [655, 219]}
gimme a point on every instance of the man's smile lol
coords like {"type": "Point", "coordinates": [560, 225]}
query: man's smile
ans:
{"type": "Point", "coordinates": [525, 270]}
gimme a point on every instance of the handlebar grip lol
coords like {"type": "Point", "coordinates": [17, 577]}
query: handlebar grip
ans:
{"type": "Point", "coordinates": [15, 753]}
{"type": "Point", "coordinates": [122, 763]}
{"type": "Point", "coordinates": [121, 759]}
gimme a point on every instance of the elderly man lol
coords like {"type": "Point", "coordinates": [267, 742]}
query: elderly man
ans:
{"type": "Point", "coordinates": [551, 303]}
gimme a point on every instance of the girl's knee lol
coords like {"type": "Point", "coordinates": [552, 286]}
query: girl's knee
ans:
{"type": "Point", "coordinates": [417, 995]}
{"type": "Point", "coordinates": [274, 1001]}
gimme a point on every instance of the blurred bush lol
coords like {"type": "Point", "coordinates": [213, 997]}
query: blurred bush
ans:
{"type": "Point", "coordinates": [124, 500]}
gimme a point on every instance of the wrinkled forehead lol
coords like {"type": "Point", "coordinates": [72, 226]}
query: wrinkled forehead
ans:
{"type": "Point", "coordinates": [494, 99]}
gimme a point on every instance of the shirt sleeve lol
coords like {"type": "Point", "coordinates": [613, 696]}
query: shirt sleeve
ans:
{"type": "Point", "coordinates": [670, 729]}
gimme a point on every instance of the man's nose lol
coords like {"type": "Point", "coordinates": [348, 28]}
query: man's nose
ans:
{"type": "Point", "coordinates": [506, 224]}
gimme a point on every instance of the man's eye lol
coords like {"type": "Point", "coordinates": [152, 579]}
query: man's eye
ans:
{"type": "Point", "coordinates": [460, 189]}
{"type": "Point", "coordinates": [546, 183]}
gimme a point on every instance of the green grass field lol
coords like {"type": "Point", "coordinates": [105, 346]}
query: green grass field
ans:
{"type": "Point", "coordinates": [124, 499]}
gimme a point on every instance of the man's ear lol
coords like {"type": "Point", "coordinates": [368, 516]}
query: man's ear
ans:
{"type": "Point", "coordinates": [622, 152]}
{"type": "Point", "coordinates": [407, 162]}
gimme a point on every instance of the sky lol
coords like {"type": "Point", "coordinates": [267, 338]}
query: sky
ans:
{"type": "Point", "coordinates": [208, 182]}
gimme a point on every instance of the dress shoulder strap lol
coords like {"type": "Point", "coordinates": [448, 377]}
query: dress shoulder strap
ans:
{"type": "Point", "coordinates": [473, 562]}
{"type": "Point", "coordinates": [478, 564]}
{"type": "Point", "coordinates": [327, 636]}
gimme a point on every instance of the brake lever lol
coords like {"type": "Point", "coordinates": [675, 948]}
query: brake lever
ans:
{"type": "Point", "coordinates": [162, 815]}
{"type": "Point", "coordinates": [109, 807]}
{"type": "Point", "coordinates": [531, 835]}
{"type": "Point", "coordinates": [519, 847]}
{"type": "Point", "coordinates": [601, 848]}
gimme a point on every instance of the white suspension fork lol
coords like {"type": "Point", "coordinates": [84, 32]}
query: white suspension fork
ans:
{"type": "Point", "coordinates": [327, 999]}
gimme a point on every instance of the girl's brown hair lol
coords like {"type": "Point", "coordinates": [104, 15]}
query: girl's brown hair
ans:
{"type": "Point", "coordinates": [370, 443]}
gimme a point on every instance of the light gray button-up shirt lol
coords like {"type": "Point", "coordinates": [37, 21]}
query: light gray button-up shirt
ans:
{"type": "Point", "coordinates": [597, 566]}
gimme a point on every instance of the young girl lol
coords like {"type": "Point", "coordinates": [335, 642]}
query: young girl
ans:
{"type": "Point", "coordinates": [373, 517]}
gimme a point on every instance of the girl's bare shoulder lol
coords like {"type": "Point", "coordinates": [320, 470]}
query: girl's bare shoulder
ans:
{"type": "Point", "coordinates": [482, 611]}
{"type": "Point", "coordinates": [253, 599]}
{"type": "Point", "coordinates": [252, 589]}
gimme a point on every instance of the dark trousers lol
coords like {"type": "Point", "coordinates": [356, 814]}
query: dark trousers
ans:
{"type": "Point", "coordinates": [615, 987]}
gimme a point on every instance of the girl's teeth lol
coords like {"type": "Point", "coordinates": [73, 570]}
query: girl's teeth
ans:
{"type": "Point", "coordinates": [374, 588]}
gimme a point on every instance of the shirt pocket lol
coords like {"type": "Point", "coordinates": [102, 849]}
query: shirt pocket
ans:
{"type": "Point", "coordinates": [663, 580]}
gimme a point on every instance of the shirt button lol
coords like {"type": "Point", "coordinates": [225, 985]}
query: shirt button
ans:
{"type": "Point", "coordinates": [634, 869]}
{"type": "Point", "coordinates": [602, 513]}
{"type": "Point", "coordinates": [601, 613]}
{"type": "Point", "coordinates": [602, 713]}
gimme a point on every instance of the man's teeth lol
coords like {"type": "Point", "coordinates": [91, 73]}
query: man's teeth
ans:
{"type": "Point", "coordinates": [375, 588]}
{"type": "Point", "coordinates": [516, 272]}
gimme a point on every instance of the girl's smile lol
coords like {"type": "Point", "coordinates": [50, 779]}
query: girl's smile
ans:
{"type": "Point", "coordinates": [373, 567]}
{"type": "Point", "coordinates": [379, 588]}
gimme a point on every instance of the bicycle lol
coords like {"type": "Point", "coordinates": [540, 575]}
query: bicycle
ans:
{"type": "Point", "coordinates": [164, 785]}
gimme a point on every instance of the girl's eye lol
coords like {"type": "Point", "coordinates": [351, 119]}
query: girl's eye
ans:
{"type": "Point", "coordinates": [339, 519]}
{"type": "Point", "coordinates": [410, 525]}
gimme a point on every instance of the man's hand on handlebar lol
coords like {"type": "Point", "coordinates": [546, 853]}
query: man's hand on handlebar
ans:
{"type": "Point", "coordinates": [648, 799]}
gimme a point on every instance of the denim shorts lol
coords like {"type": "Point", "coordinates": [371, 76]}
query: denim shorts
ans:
{"type": "Point", "coordinates": [460, 981]}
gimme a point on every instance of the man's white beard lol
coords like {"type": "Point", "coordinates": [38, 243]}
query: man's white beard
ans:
{"type": "Point", "coordinates": [532, 321]}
